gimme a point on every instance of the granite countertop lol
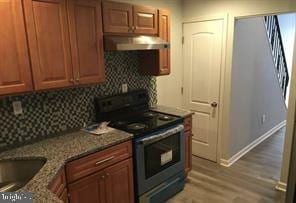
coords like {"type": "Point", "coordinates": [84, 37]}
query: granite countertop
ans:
{"type": "Point", "coordinates": [57, 151]}
{"type": "Point", "coordinates": [173, 111]}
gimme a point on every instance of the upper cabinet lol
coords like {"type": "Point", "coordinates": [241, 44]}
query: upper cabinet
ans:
{"type": "Point", "coordinates": [145, 20]}
{"type": "Point", "coordinates": [164, 33]}
{"type": "Point", "coordinates": [117, 17]}
{"type": "Point", "coordinates": [48, 34]}
{"type": "Point", "coordinates": [86, 39]}
{"type": "Point", "coordinates": [121, 18]}
{"type": "Point", "coordinates": [50, 44]}
{"type": "Point", "coordinates": [65, 39]}
{"type": "Point", "coordinates": [157, 62]}
{"type": "Point", "coordinates": [15, 70]}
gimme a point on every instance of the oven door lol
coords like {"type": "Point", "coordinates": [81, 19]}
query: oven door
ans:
{"type": "Point", "coordinates": [159, 157]}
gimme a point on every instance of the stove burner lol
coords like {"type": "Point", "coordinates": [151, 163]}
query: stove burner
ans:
{"type": "Point", "coordinates": [136, 126]}
{"type": "Point", "coordinates": [119, 123]}
{"type": "Point", "coordinates": [149, 114]}
{"type": "Point", "coordinates": [165, 118]}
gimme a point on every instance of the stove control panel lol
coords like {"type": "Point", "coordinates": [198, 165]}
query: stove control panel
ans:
{"type": "Point", "coordinates": [116, 102]}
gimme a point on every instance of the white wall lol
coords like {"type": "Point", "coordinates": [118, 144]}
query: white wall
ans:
{"type": "Point", "coordinates": [240, 8]}
{"type": "Point", "coordinates": [255, 87]}
{"type": "Point", "coordinates": [287, 26]}
{"type": "Point", "coordinates": [169, 87]}
{"type": "Point", "coordinates": [194, 8]}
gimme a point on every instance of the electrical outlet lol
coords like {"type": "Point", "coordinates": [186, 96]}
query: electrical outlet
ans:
{"type": "Point", "coordinates": [17, 107]}
{"type": "Point", "coordinates": [263, 119]}
{"type": "Point", "coordinates": [124, 88]}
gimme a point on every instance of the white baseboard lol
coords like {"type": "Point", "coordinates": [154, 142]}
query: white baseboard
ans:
{"type": "Point", "coordinates": [281, 186]}
{"type": "Point", "coordinates": [237, 156]}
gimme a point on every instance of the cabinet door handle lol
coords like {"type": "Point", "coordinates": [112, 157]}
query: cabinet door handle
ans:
{"type": "Point", "coordinates": [71, 80]}
{"type": "Point", "coordinates": [105, 160]}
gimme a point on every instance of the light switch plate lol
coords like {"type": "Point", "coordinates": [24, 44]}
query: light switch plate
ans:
{"type": "Point", "coordinates": [263, 119]}
{"type": "Point", "coordinates": [17, 107]}
{"type": "Point", "coordinates": [124, 88]}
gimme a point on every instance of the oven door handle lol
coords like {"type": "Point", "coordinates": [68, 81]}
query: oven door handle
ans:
{"type": "Point", "coordinates": [155, 138]}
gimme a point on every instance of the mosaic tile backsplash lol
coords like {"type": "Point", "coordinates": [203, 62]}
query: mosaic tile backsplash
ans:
{"type": "Point", "coordinates": [50, 113]}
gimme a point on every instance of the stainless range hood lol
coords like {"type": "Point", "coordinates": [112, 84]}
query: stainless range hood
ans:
{"type": "Point", "coordinates": [125, 43]}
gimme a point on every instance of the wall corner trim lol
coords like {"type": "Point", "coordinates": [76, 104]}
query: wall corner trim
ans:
{"type": "Point", "coordinates": [241, 153]}
{"type": "Point", "coordinates": [280, 186]}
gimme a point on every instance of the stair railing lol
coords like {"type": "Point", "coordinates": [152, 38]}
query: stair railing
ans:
{"type": "Point", "coordinates": [276, 42]}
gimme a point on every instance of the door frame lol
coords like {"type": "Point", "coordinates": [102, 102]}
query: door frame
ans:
{"type": "Point", "coordinates": [224, 18]}
{"type": "Point", "coordinates": [290, 118]}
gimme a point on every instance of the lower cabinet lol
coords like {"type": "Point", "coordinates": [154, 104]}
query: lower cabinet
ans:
{"type": "Point", "coordinates": [188, 151]}
{"type": "Point", "coordinates": [59, 186]}
{"type": "Point", "coordinates": [113, 185]}
{"type": "Point", "coordinates": [104, 176]}
{"type": "Point", "coordinates": [119, 180]}
{"type": "Point", "coordinates": [188, 143]}
{"type": "Point", "coordinates": [88, 189]}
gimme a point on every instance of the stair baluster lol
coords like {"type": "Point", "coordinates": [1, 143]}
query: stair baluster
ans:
{"type": "Point", "coordinates": [276, 42]}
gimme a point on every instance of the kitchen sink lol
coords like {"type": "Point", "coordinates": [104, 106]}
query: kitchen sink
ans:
{"type": "Point", "coordinates": [14, 174]}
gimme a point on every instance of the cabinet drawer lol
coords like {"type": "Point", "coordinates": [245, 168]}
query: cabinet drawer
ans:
{"type": "Point", "coordinates": [58, 185]}
{"type": "Point", "coordinates": [97, 161]}
{"type": "Point", "coordinates": [188, 124]}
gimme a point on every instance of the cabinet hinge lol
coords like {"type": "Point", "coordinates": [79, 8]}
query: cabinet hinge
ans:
{"type": "Point", "coordinates": [183, 40]}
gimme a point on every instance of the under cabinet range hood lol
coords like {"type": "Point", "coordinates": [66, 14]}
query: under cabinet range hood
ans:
{"type": "Point", "coordinates": [125, 43]}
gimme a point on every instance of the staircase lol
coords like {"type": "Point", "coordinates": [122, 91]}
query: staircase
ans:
{"type": "Point", "coordinates": [276, 42]}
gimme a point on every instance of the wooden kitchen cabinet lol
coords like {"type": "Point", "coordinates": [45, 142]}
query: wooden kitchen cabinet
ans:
{"type": "Point", "coordinates": [119, 180]}
{"type": "Point", "coordinates": [188, 143]}
{"type": "Point", "coordinates": [117, 17]}
{"type": "Point", "coordinates": [15, 70]}
{"type": "Point", "coordinates": [48, 35]}
{"type": "Point", "coordinates": [86, 37]}
{"type": "Point", "coordinates": [65, 41]}
{"type": "Point", "coordinates": [121, 18]}
{"type": "Point", "coordinates": [158, 62]}
{"type": "Point", "coordinates": [113, 185]}
{"type": "Point", "coordinates": [145, 20]}
{"type": "Point", "coordinates": [97, 177]}
{"type": "Point", "coordinates": [89, 189]}
{"type": "Point", "coordinates": [59, 186]}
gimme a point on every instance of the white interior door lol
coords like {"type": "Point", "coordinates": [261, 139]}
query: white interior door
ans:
{"type": "Point", "coordinates": [202, 69]}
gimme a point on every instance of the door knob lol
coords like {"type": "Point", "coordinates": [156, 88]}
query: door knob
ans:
{"type": "Point", "coordinates": [214, 104]}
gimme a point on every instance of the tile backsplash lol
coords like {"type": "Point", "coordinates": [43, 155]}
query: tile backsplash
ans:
{"type": "Point", "coordinates": [50, 113]}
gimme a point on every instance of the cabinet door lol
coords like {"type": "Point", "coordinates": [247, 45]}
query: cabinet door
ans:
{"type": "Point", "coordinates": [64, 196]}
{"type": "Point", "coordinates": [88, 189]}
{"type": "Point", "coordinates": [49, 44]}
{"type": "Point", "coordinates": [119, 181]}
{"type": "Point", "coordinates": [15, 71]}
{"type": "Point", "coordinates": [86, 38]}
{"type": "Point", "coordinates": [164, 33]}
{"type": "Point", "coordinates": [188, 151]}
{"type": "Point", "coordinates": [117, 17]}
{"type": "Point", "coordinates": [145, 20]}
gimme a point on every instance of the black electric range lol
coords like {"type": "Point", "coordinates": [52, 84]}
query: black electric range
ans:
{"type": "Point", "coordinates": [158, 144]}
{"type": "Point", "coordinates": [130, 112]}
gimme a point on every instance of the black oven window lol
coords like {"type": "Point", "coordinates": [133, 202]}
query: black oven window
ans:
{"type": "Point", "coordinates": [162, 154]}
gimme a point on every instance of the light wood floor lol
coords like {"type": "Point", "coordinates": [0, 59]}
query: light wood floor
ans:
{"type": "Point", "coordinates": [251, 179]}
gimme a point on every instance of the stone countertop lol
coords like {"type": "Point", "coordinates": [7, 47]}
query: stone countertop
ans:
{"type": "Point", "coordinates": [57, 151]}
{"type": "Point", "coordinates": [173, 111]}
